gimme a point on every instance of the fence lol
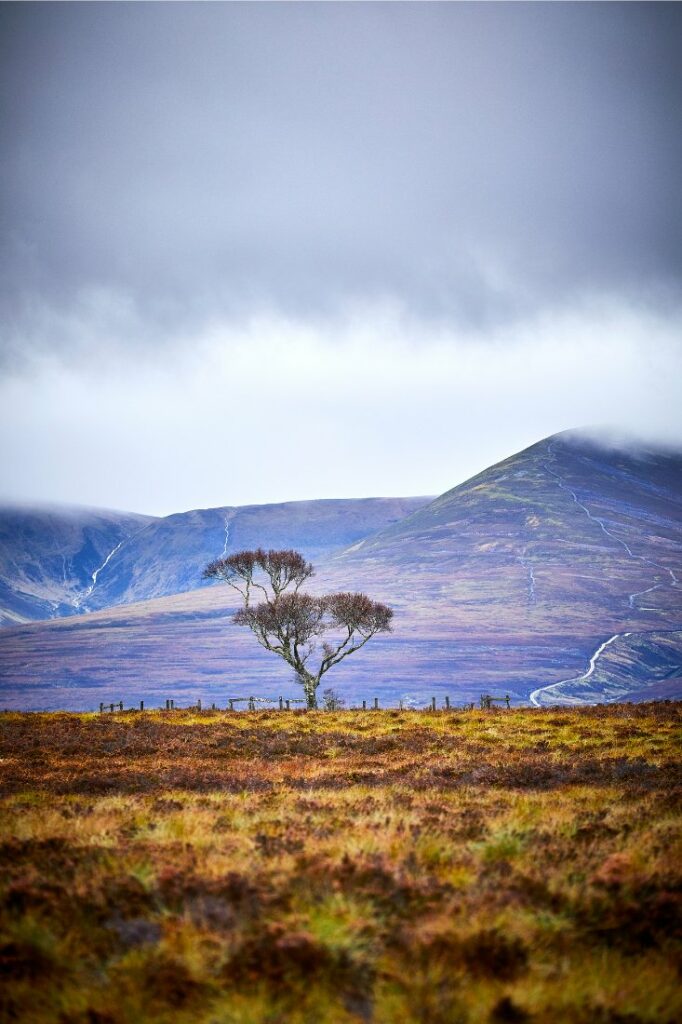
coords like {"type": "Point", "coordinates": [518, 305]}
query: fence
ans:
{"type": "Point", "coordinates": [285, 704]}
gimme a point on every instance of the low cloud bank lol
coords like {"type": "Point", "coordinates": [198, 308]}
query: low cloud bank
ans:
{"type": "Point", "coordinates": [372, 403]}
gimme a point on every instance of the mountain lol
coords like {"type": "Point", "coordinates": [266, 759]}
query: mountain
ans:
{"type": "Point", "coordinates": [540, 560]}
{"type": "Point", "coordinates": [552, 576]}
{"type": "Point", "coordinates": [170, 555]}
{"type": "Point", "coordinates": [65, 561]}
{"type": "Point", "coordinates": [51, 559]}
{"type": "Point", "coordinates": [568, 532]}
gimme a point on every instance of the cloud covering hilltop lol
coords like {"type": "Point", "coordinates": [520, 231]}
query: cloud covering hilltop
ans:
{"type": "Point", "coordinates": [383, 219]}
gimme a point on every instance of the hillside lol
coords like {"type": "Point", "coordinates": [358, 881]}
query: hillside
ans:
{"type": "Point", "coordinates": [52, 559]}
{"type": "Point", "coordinates": [171, 554]}
{"type": "Point", "coordinates": [568, 523]}
{"type": "Point", "coordinates": [65, 561]}
{"type": "Point", "coordinates": [559, 549]}
{"type": "Point", "coordinates": [556, 566]}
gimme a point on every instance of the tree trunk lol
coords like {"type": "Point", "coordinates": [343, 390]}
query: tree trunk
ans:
{"type": "Point", "coordinates": [309, 684]}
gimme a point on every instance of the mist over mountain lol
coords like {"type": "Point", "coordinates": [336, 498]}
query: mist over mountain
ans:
{"type": "Point", "coordinates": [554, 576]}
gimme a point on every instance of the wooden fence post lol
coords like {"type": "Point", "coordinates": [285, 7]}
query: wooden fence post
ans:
{"type": "Point", "coordinates": [447, 703]}
{"type": "Point", "coordinates": [231, 703]}
{"type": "Point", "coordinates": [199, 705]}
{"type": "Point", "coordinates": [112, 708]}
{"type": "Point", "coordinates": [433, 703]}
{"type": "Point", "coordinates": [288, 706]}
{"type": "Point", "coordinates": [120, 706]}
{"type": "Point", "coordinates": [364, 705]}
{"type": "Point", "coordinates": [141, 705]}
{"type": "Point", "coordinates": [101, 707]}
{"type": "Point", "coordinates": [281, 703]}
{"type": "Point", "coordinates": [376, 703]}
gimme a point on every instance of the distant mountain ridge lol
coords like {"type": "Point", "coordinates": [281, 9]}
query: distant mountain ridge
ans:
{"type": "Point", "coordinates": [66, 561]}
{"type": "Point", "coordinates": [553, 575]}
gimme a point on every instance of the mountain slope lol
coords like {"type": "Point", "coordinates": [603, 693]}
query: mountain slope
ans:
{"type": "Point", "coordinates": [48, 558]}
{"type": "Point", "coordinates": [514, 581]}
{"type": "Point", "coordinates": [572, 542]}
{"type": "Point", "coordinates": [617, 666]}
{"type": "Point", "coordinates": [170, 555]}
{"type": "Point", "coordinates": [564, 531]}
{"type": "Point", "coordinates": [51, 559]}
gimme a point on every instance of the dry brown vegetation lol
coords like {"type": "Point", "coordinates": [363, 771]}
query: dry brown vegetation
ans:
{"type": "Point", "coordinates": [392, 867]}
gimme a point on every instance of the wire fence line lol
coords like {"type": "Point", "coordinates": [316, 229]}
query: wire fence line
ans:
{"type": "Point", "coordinates": [486, 702]}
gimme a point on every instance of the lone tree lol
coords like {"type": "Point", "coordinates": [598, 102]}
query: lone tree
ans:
{"type": "Point", "coordinates": [291, 623]}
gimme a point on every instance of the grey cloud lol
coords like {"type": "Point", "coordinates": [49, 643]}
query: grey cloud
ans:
{"type": "Point", "coordinates": [477, 162]}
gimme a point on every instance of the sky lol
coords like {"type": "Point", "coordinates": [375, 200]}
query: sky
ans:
{"type": "Point", "coordinates": [257, 252]}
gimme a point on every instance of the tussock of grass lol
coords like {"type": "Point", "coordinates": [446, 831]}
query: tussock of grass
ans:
{"type": "Point", "coordinates": [386, 866]}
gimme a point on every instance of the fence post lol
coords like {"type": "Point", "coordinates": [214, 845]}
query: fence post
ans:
{"type": "Point", "coordinates": [288, 706]}
{"type": "Point", "coordinates": [281, 703]}
{"type": "Point", "coordinates": [376, 703]}
{"type": "Point", "coordinates": [172, 704]}
{"type": "Point", "coordinates": [199, 705]}
{"type": "Point", "coordinates": [433, 703]}
{"type": "Point", "coordinates": [447, 703]}
{"type": "Point", "coordinates": [167, 704]}
{"type": "Point", "coordinates": [112, 708]}
{"type": "Point", "coordinates": [101, 707]}
{"type": "Point", "coordinates": [507, 700]}
{"type": "Point", "coordinates": [364, 705]}
{"type": "Point", "coordinates": [141, 705]}
{"type": "Point", "coordinates": [213, 706]}
{"type": "Point", "coordinates": [252, 704]}
{"type": "Point", "coordinates": [231, 703]}
{"type": "Point", "coordinates": [120, 706]}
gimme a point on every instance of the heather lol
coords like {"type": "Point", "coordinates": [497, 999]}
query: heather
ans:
{"type": "Point", "coordinates": [379, 866]}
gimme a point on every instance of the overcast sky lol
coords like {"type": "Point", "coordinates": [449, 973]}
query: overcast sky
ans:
{"type": "Point", "coordinates": [259, 252]}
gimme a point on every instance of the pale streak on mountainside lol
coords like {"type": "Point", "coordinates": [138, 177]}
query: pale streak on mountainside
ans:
{"type": "Point", "coordinates": [577, 679]}
{"type": "Point", "coordinates": [82, 598]}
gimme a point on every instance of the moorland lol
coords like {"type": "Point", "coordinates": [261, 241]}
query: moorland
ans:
{"type": "Point", "coordinates": [396, 867]}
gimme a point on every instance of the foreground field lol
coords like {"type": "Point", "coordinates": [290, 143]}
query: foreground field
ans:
{"type": "Point", "coordinates": [392, 867]}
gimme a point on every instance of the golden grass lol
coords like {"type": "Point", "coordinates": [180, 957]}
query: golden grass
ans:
{"type": "Point", "coordinates": [393, 867]}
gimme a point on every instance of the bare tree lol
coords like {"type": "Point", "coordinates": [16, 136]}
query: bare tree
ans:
{"type": "Point", "coordinates": [331, 701]}
{"type": "Point", "coordinates": [291, 623]}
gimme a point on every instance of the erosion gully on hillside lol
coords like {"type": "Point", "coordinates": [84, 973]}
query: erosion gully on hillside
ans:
{"type": "Point", "coordinates": [388, 866]}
